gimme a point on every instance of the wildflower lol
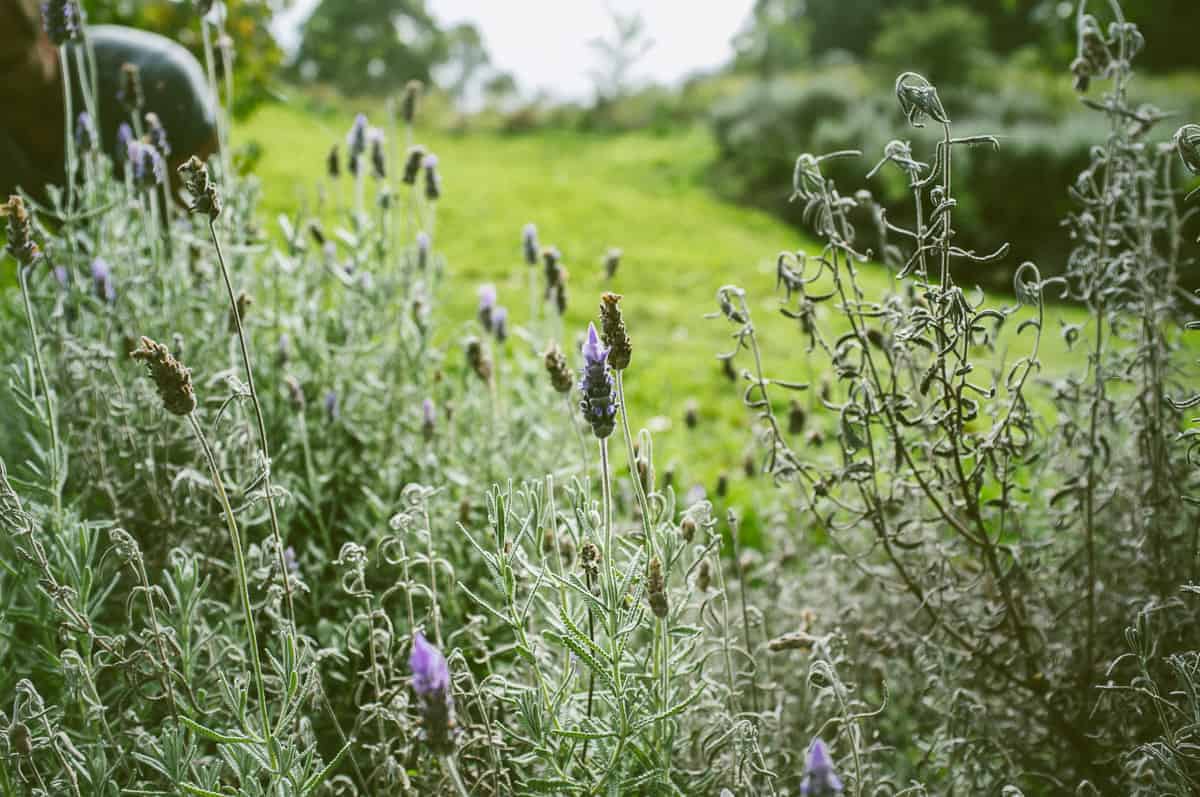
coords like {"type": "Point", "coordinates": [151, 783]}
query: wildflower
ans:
{"type": "Point", "coordinates": [20, 232]}
{"type": "Point", "coordinates": [129, 88]}
{"type": "Point", "coordinates": [656, 589]}
{"type": "Point", "coordinates": [290, 560]}
{"type": "Point", "coordinates": [204, 192]}
{"type": "Point", "coordinates": [61, 19]}
{"type": "Point", "coordinates": [157, 134]}
{"type": "Point", "coordinates": [378, 162]}
{"type": "Point", "coordinates": [148, 167]}
{"type": "Point", "coordinates": [333, 165]}
{"type": "Point", "coordinates": [612, 259]}
{"type": "Point", "coordinates": [599, 405]}
{"type": "Point", "coordinates": [612, 327]}
{"type": "Point", "coordinates": [85, 132]}
{"type": "Point", "coordinates": [529, 243]}
{"type": "Point", "coordinates": [819, 778]}
{"type": "Point", "coordinates": [694, 495]}
{"type": "Point", "coordinates": [487, 304]}
{"type": "Point", "coordinates": [500, 324]}
{"type": "Point", "coordinates": [422, 250]}
{"type": "Point", "coordinates": [333, 410]}
{"type": "Point", "coordinates": [124, 136]}
{"type": "Point", "coordinates": [435, 701]}
{"type": "Point", "coordinates": [62, 276]}
{"type": "Point", "coordinates": [412, 97]}
{"type": "Point", "coordinates": [428, 417]}
{"type": "Point", "coordinates": [173, 380]}
{"type": "Point", "coordinates": [412, 164]}
{"type": "Point", "coordinates": [478, 359]}
{"type": "Point", "coordinates": [919, 99]}
{"type": "Point", "coordinates": [356, 142]}
{"type": "Point", "coordinates": [1187, 143]}
{"type": "Point", "coordinates": [433, 181]}
{"type": "Point", "coordinates": [102, 280]}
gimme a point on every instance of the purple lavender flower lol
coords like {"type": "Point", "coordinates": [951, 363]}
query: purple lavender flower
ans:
{"type": "Point", "coordinates": [433, 181]}
{"type": "Point", "coordinates": [423, 243]}
{"type": "Point", "coordinates": [378, 162]}
{"type": "Point", "coordinates": [819, 778]}
{"type": "Point", "coordinates": [356, 142]}
{"type": "Point", "coordinates": [157, 134]}
{"type": "Point", "coordinates": [332, 409]}
{"type": "Point", "coordinates": [62, 276]}
{"type": "Point", "coordinates": [124, 138]}
{"type": "Point", "coordinates": [102, 280]}
{"type": "Point", "coordinates": [500, 323]}
{"type": "Point", "coordinates": [694, 495]}
{"type": "Point", "coordinates": [289, 559]}
{"type": "Point", "coordinates": [431, 683]}
{"type": "Point", "coordinates": [149, 168]}
{"type": "Point", "coordinates": [487, 304]}
{"type": "Point", "coordinates": [428, 418]}
{"type": "Point", "coordinates": [61, 19]}
{"type": "Point", "coordinates": [85, 132]}
{"type": "Point", "coordinates": [529, 243]}
{"type": "Point", "coordinates": [599, 405]}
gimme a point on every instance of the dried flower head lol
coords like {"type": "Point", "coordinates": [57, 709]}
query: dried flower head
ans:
{"type": "Point", "coordinates": [687, 528]}
{"type": "Point", "coordinates": [612, 330]}
{"type": "Point", "coordinates": [919, 99]}
{"type": "Point", "coordinates": [129, 88]}
{"type": "Point", "coordinates": [797, 418]}
{"type": "Point", "coordinates": [20, 232]}
{"type": "Point", "coordinates": [205, 198]}
{"type": "Point", "coordinates": [435, 700]}
{"type": "Point", "coordinates": [412, 164]}
{"type": "Point", "coordinates": [612, 260]}
{"type": "Point", "coordinates": [173, 380]}
{"type": "Point", "coordinates": [656, 589]}
{"type": "Point", "coordinates": [556, 366]}
{"type": "Point", "coordinates": [704, 576]}
{"type": "Point", "coordinates": [819, 778]}
{"type": "Point", "coordinates": [433, 180]}
{"type": "Point", "coordinates": [599, 404]}
{"type": "Point", "coordinates": [157, 134]}
{"type": "Point", "coordinates": [478, 359]}
{"type": "Point", "coordinates": [529, 244]}
{"type": "Point", "coordinates": [244, 300]}
{"type": "Point", "coordinates": [412, 98]}
{"type": "Point", "coordinates": [793, 640]}
{"type": "Point", "coordinates": [589, 561]}
{"type": "Point", "coordinates": [62, 21]}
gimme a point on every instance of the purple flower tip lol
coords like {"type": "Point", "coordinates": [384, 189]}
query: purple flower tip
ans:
{"type": "Point", "coordinates": [61, 274]}
{"type": "Point", "coordinates": [100, 269]}
{"type": "Point", "coordinates": [499, 316]}
{"type": "Point", "coordinates": [430, 162]}
{"type": "Point", "coordinates": [427, 411]}
{"type": "Point", "coordinates": [487, 296]}
{"type": "Point", "coordinates": [819, 778]}
{"type": "Point", "coordinates": [593, 350]}
{"type": "Point", "coordinates": [428, 665]}
{"type": "Point", "coordinates": [423, 241]}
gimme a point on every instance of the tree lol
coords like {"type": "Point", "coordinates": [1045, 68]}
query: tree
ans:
{"type": "Point", "coordinates": [618, 55]}
{"type": "Point", "coordinates": [371, 46]}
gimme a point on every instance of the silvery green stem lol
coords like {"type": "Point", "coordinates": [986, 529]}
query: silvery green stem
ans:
{"type": "Point", "coordinates": [51, 421]}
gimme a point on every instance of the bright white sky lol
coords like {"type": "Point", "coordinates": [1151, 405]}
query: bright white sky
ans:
{"type": "Point", "coordinates": [544, 42]}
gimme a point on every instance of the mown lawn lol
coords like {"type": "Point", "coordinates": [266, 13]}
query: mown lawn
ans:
{"type": "Point", "coordinates": [642, 192]}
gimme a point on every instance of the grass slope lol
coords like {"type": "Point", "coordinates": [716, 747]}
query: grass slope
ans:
{"type": "Point", "coordinates": [642, 192]}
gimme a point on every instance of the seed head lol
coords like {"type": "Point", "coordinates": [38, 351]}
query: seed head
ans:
{"type": "Point", "coordinates": [62, 21]}
{"type": "Point", "coordinates": [20, 232]}
{"type": "Point", "coordinates": [656, 589]}
{"type": "Point", "coordinates": [173, 380]}
{"type": "Point", "coordinates": [796, 418]}
{"type": "Point", "coordinates": [687, 528]}
{"type": "Point", "coordinates": [205, 198]}
{"type": "Point", "coordinates": [599, 405]}
{"type": "Point", "coordinates": [529, 244]}
{"type": "Point", "coordinates": [612, 327]}
{"type": "Point", "coordinates": [129, 89]}
{"type": "Point", "coordinates": [560, 372]}
{"type": "Point", "coordinates": [589, 560]}
{"type": "Point", "coordinates": [793, 640]}
{"type": "Point", "coordinates": [410, 101]}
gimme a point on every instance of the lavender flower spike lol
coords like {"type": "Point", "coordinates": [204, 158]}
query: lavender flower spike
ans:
{"type": "Point", "coordinates": [149, 168]}
{"type": "Point", "coordinates": [487, 304]}
{"type": "Point", "coordinates": [428, 418]}
{"type": "Point", "coordinates": [599, 405]}
{"type": "Point", "coordinates": [423, 244]}
{"type": "Point", "coordinates": [500, 323]}
{"type": "Point", "coordinates": [102, 280]}
{"type": "Point", "coordinates": [85, 132]}
{"type": "Point", "coordinates": [819, 778]}
{"type": "Point", "coordinates": [433, 180]}
{"type": "Point", "coordinates": [431, 683]}
{"type": "Point", "coordinates": [529, 243]}
{"type": "Point", "coordinates": [61, 18]}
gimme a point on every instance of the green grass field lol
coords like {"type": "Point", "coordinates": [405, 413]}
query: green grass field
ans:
{"type": "Point", "coordinates": [642, 192]}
